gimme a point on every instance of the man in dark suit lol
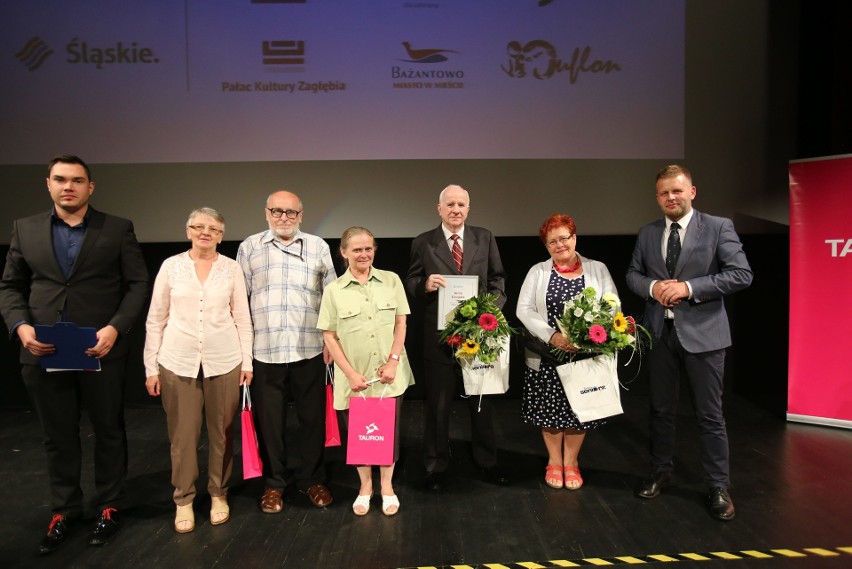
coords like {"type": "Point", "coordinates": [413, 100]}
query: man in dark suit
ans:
{"type": "Point", "coordinates": [434, 254]}
{"type": "Point", "coordinates": [76, 264]}
{"type": "Point", "coordinates": [684, 265]}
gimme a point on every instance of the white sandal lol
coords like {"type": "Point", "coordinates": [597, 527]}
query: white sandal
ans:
{"type": "Point", "coordinates": [220, 512]}
{"type": "Point", "coordinates": [389, 502]}
{"type": "Point", "coordinates": [184, 518]}
{"type": "Point", "coordinates": [362, 501]}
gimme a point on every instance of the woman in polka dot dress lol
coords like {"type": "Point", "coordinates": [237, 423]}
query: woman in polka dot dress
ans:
{"type": "Point", "coordinates": [546, 288]}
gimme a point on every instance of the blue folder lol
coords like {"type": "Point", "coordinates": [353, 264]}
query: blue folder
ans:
{"type": "Point", "coordinates": [71, 342]}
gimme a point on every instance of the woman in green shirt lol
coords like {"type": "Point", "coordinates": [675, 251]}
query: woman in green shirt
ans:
{"type": "Point", "coordinates": [362, 317]}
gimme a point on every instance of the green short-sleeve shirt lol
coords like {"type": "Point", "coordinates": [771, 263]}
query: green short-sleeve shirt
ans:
{"type": "Point", "coordinates": [363, 317]}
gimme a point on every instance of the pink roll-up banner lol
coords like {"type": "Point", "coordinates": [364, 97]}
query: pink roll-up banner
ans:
{"type": "Point", "coordinates": [819, 385]}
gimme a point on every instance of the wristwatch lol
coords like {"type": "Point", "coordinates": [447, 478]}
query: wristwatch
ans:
{"type": "Point", "coordinates": [394, 357]}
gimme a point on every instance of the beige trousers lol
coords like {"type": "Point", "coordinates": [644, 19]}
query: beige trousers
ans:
{"type": "Point", "coordinates": [184, 399]}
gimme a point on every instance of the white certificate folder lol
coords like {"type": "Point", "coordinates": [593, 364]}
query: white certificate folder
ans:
{"type": "Point", "coordinates": [459, 288]}
{"type": "Point", "coordinates": [71, 342]}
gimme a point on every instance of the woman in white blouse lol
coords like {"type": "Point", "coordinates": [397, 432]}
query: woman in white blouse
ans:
{"type": "Point", "coordinates": [197, 354]}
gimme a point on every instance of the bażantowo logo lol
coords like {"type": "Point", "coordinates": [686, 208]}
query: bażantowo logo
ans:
{"type": "Point", "coordinates": [34, 53]}
{"type": "Point", "coordinates": [425, 55]}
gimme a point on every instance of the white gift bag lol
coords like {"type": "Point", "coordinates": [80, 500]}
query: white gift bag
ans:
{"type": "Point", "coordinates": [487, 379]}
{"type": "Point", "coordinates": [592, 388]}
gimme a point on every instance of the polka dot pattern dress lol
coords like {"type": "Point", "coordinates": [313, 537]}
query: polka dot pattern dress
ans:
{"type": "Point", "coordinates": [544, 403]}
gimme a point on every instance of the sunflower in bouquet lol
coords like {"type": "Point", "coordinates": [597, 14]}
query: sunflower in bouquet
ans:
{"type": "Point", "coordinates": [477, 328]}
{"type": "Point", "coordinates": [595, 324]}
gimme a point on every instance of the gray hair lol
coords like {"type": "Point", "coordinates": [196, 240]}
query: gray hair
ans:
{"type": "Point", "coordinates": [209, 212]}
{"type": "Point", "coordinates": [452, 187]}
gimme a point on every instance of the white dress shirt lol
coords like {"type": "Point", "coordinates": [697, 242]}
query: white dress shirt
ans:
{"type": "Point", "coordinates": [194, 325]}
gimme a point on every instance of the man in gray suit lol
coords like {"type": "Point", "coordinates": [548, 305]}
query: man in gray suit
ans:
{"type": "Point", "coordinates": [684, 265]}
{"type": "Point", "coordinates": [76, 264]}
{"type": "Point", "coordinates": [434, 254]}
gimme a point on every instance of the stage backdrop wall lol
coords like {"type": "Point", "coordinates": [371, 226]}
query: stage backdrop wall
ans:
{"type": "Point", "coordinates": [819, 390]}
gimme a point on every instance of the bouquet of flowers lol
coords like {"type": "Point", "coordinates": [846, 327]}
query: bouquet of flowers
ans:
{"type": "Point", "coordinates": [477, 328]}
{"type": "Point", "coordinates": [597, 325]}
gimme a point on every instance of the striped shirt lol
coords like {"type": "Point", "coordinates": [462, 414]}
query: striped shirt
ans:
{"type": "Point", "coordinates": [285, 283]}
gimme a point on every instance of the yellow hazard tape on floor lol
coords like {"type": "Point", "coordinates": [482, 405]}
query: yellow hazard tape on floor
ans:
{"type": "Point", "coordinates": [659, 558]}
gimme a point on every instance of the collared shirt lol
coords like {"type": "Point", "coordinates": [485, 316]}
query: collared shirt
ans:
{"type": "Point", "coordinates": [682, 223]}
{"type": "Point", "coordinates": [285, 283]}
{"type": "Point", "coordinates": [193, 324]}
{"type": "Point", "coordinates": [364, 318]}
{"type": "Point", "coordinates": [67, 240]}
{"type": "Point", "coordinates": [448, 237]}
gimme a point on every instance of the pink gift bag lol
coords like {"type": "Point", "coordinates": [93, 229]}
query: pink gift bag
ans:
{"type": "Point", "coordinates": [372, 421]}
{"type": "Point", "coordinates": [332, 431]}
{"type": "Point", "coordinates": [252, 467]}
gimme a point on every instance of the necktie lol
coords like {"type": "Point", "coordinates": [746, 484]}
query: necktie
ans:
{"type": "Point", "coordinates": [673, 249]}
{"type": "Point", "coordinates": [457, 251]}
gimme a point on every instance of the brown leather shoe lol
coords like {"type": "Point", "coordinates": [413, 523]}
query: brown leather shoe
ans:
{"type": "Point", "coordinates": [320, 495]}
{"type": "Point", "coordinates": [271, 501]}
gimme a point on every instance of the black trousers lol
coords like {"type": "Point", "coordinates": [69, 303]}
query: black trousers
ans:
{"type": "Point", "coordinates": [704, 372]}
{"type": "Point", "coordinates": [58, 398]}
{"type": "Point", "coordinates": [271, 387]}
{"type": "Point", "coordinates": [443, 380]}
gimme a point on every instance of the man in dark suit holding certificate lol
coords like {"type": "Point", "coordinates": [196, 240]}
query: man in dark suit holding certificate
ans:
{"type": "Point", "coordinates": [452, 248]}
{"type": "Point", "coordinates": [78, 265]}
{"type": "Point", "coordinates": [683, 266]}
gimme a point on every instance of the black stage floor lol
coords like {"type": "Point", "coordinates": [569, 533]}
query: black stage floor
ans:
{"type": "Point", "coordinates": [792, 492]}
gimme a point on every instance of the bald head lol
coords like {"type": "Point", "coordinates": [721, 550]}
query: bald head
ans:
{"type": "Point", "coordinates": [281, 195]}
{"type": "Point", "coordinates": [284, 214]}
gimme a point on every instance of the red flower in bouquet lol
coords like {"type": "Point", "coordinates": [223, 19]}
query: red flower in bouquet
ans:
{"type": "Point", "coordinates": [631, 325]}
{"type": "Point", "coordinates": [477, 329]}
{"type": "Point", "coordinates": [597, 334]}
{"type": "Point", "coordinates": [455, 341]}
{"type": "Point", "coordinates": [488, 322]}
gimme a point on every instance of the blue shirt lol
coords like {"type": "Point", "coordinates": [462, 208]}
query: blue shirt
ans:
{"type": "Point", "coordinates": [67, 240]}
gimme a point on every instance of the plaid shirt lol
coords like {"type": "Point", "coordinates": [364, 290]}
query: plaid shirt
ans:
{"type": "Point", "coordinates": [285, 285]}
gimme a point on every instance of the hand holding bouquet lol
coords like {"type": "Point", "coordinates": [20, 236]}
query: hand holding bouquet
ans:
{"type": "Point", "coordinates": [596, 325]}
{"type": "Point", "coordinates": [477, 329]}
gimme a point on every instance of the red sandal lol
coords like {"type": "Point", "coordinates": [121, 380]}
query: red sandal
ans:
{"type": "Point", "coordinates": [553, 476]}
{"type": "Point", "coordinates": [572, 474]}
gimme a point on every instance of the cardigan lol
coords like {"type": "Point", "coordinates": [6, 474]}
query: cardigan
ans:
{"type": "Point", "coordinates": [532, 307]}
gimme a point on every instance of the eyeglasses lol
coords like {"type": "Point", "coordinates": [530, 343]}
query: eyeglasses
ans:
{"type": "Point", "coordinates": [206, 228]}
{"type": "Point", "coordinates": [277, 212]}
{"type": "Point", "coordinates": [559, 241]}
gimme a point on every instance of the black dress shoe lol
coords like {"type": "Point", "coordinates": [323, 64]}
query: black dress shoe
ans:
{"type": "Point", "coordinates": [495, 476]}
{"type": "Point", "coordinates": [106, 527]}
{"type": "Point", "coordinates": [57, 532]}
{"type": "Point", "coordinates": [721, 505]}
{"type": "Point", "coordinates": [651, 486]}
{"type": "Point", "coordinates": [434, 481]}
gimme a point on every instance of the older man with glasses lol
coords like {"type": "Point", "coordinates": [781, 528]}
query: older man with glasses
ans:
{"type": "Point", "coordinates": [286, 271]}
